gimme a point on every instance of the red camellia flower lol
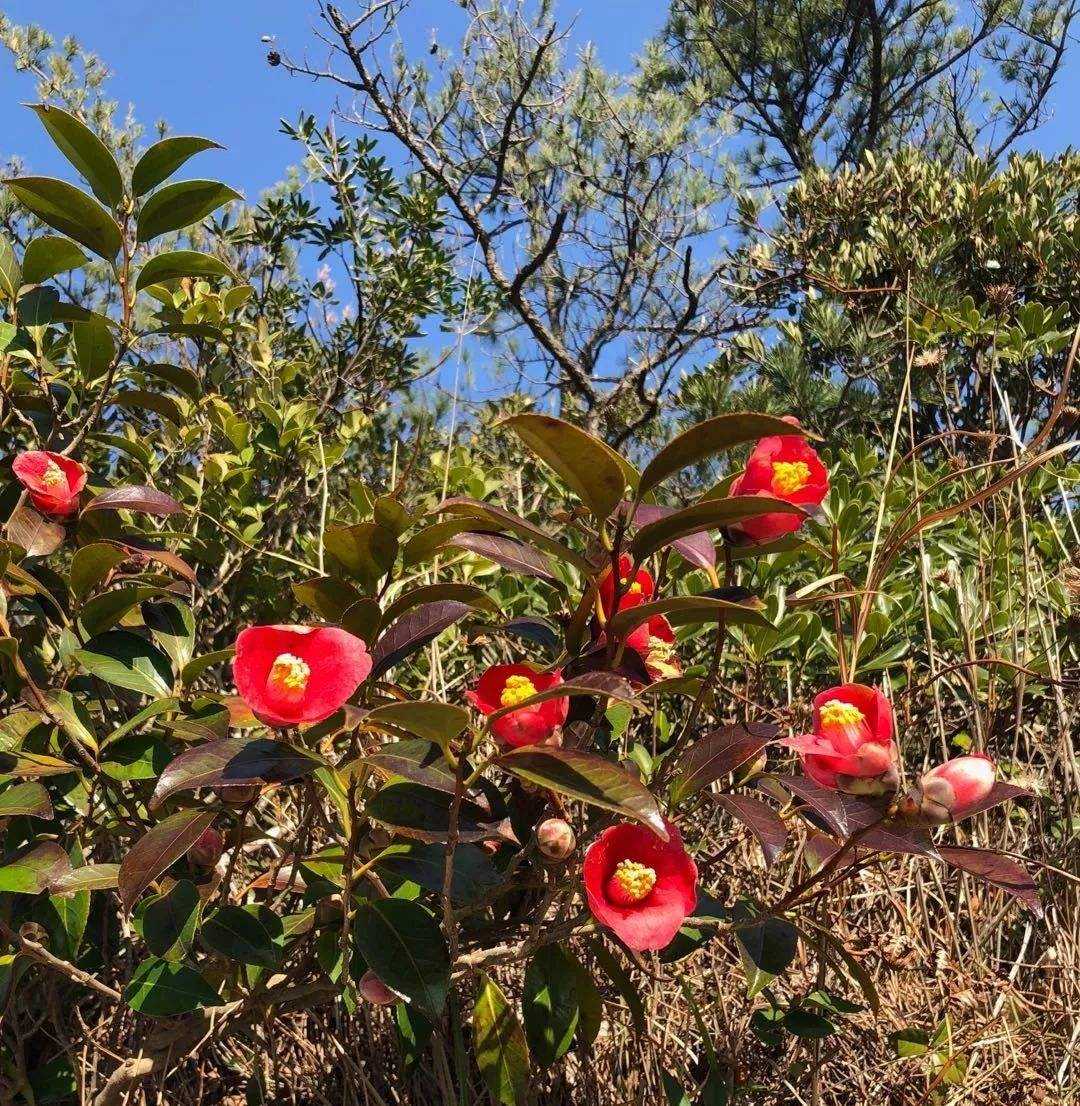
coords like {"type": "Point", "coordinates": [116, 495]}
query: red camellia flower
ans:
{"type": "Point", "coordinates": [784, 467]}
{"type": "Point", "coordinates": [640, 887]}
{"type": "Point", "coordinates": [951, 789]}
{"type": "Point", "coordinates": [654, 641]}
{"type": "Point", "coordinates": [852, 747]}
{"type": "Point", "coordinates": [52, 480]}
{"type": "Point", "coordinates": [293, 674]}
{"type": "Point", "coordinates": [506, 685]}
{"type": "Point", "coordinates": [634, 592]}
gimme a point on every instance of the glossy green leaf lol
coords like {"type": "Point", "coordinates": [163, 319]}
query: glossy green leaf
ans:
{"type": "Point", "coordinates": [550, 1004]}
{"type": "Point", "coordinates": [236, 934]}
{"type": "Point", "coordinates": [159, 847]}
{"type": "Point", "coordinates": [433, 721]}
{"type": "Point", "coordinates": [502, 1054]}
{"type": "Point", "coordinates": [587, 777]}
{"type": "Point", "coordinates": [168, 922]}
{"type": "Point", "coordinates": [474, 875]}
{"type": "Point", "coordinates": [162, 159]}
{"type": "Point", "coordinates": [181, 205]}
{"type": "Point", "coordinates": [589, 468]}
{"type": "Point", "coordinates": [708, 438]}
{"type": "Point", "coordinates": [65, 208]}
{"type": "Point", "coordinates": [161, 989]}
{"type": "Point", "coordinates": [91, 564]}
{"type": "Point", "coordinates": [404, 946]}
{"type": "Point", "coordinates": [181, 263]}
{"type": "Point", "coordinates": [126, 660]}
{"type": "Point", "coordinates": [11, 277]}
{"type": "Point", "coordinates": [86, 152]}
{"type": "Point", "coordinates": [35, 869]}
{"type": "Point", "coordinates": [90, 877]}
{"type": "Point", "coordinates": [49, 255]}
{"type": "Point", "coordinates": [25, 798]}
{"type": "Point", "coordinates": [707, 515]}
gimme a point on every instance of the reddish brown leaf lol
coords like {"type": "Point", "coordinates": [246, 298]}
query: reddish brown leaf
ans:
{"type": "Point", "coordinates": [716, 754]}
{"type": "Point", "coordinates": [135, 497]}
{"type": "Point", "coordinates": [157, 849]}
{"type": "Point", "coordinates": [762, 821]}
{"type": "Point", "coordinates": [997, 869]}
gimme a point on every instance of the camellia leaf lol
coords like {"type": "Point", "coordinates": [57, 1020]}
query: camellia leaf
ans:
{"type": "Point", "coordinates": [404, 946]}
{"type": "Point", "coordinates": [35, 869]}
{"type": "Point", "coordinates": [716, 754]}
{"type": "Point", "coordinates": [698, 549]}
{"type": "Point", "coordinates": [366, 551]}
{"type": "Point", "coordinates": [707, 515]}
{"type": "Point", "coordinates": [996, 869]}
{"type": "Point", "coordinates": [48, 255]}
{"type": "Point", "coordinates": [412, 632]}
{"type": "Point", "coordinates": [164, 158]}
{"type": "Point", "coordinates": [587, 777]}
{"type": "Point", "coordinates": [181, 263]}
{"type": "Point", "coordinates": [599, 684]}
{"type": "Point", "coordinates": [418, 760]}
{"type": "Point", "coordinates": [159, 847]}
{"type": "Point", "coordinates": [86, 152]}
{"type": "Point", "coordinates": [11, 277]}
{"type": "Point", "coordinates": [502, 1054]}
{"type": "Point", "coordinates": [708, 438]}
{"type": "Point", "coordinates": [105, 610]}
{"type": "Point", "coordinates": [506, 552]}
{"type": "Point", "coordinates": [25, 798]}
{"type": "Point", "coordinates": [91, 564]}
{"type": "Point", "coordinates": [135, 497]}
{"type": "Point", "coordinates": [163, 990]}
{"type": "Point", "coordinates": [91, 877]}
{"type": "Point", "coordinates": [474, 876]}
{"type": "Point", "coordinates": [168, 921]}
{"type": "Point", "coordinates": [762, 821]}
{"type": "Point", "coordinates": [587, 466]}
{"type": "Point", "coordinates": [683, 610]}
{"type": "Point", "coordinates": [766, 948]}
{"type": "Point", "coordinates": [434, 593]}
{"type": "Point", "coordinates": [492, 518]}
{"type": "Point", "coordinates": [234, 762]}
{"type": "Point", "coordinates": [66, 209]}
{"type": "Point", "coordinates": [35, 534]}
{"type": "Point", "coordinates": [550, 1004]}
{"type": "Point", "coordinates": [423, 813]}
{"type": "Point", "coordinates": [126, 660]}
{"type": "Point", "coordinates": [431, 720]}
{"type": "Point", "coordinates": [181, 205]}
{"type": "Point", "coordinates": [236, 934]}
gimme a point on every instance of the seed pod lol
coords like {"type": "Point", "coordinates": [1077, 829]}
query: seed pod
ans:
{"type": "Point", "coordinates": [373, 990]}
{"type": "Point", "coordinates": [555, 839]}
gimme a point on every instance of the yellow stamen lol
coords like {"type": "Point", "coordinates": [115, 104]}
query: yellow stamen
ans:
{"type": "Point", "coordinates": [289, 673]}
{"type": "Point", "coordinates": [634, 589]}
{"type": "Point", "coordinates": [635, 879]}
{"type": "Point", "coordinates": [789, 477]}
{"type": "Point", "coordinates": [52, 475]}
{"type": "Point", "coordinates": [516, 690]}
{"type": "Point", "coordinates": [835, 712]}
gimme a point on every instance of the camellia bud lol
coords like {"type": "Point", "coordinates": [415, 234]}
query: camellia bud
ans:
{"type": "Point", "coordinates": [555, 838]}
{"type": "Point", "coordinates": [206, 852]}
{"type": "Point", "coordinates": [373, 990]}
{"type": "Point", "coordinates": [950, 790]}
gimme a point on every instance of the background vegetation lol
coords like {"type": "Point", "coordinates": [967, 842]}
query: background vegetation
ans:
{"type": "Point", "coordinates": [808, 209]}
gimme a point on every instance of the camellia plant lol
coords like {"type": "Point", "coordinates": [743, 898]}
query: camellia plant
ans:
{"type": "Point", "coordinates": [492, 865]}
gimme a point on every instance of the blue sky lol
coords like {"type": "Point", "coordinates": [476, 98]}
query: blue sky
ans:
{"type": "Point", "coordinates": [201, 65]}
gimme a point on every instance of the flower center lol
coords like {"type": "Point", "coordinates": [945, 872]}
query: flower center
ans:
{"type": "Point", "coordinates": [289, 674]}
{"type": "Point", "coordinates": [634, 589]}
{"type": "Point", "coordinates": [516, 690]}
{"type": "Point", "coordinates": [836, 712]}
{"type": "Point", "coordinates": [52, 475]}
{"type": "Point", "coordinates": [789, 476]}
{"type": "Point", "coordinates": [631, 881]}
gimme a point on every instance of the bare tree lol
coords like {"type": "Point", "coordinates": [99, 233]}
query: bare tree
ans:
{"type": "Point", "coordinates": [594, 206]}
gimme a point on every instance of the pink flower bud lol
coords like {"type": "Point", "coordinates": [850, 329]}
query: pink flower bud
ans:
{"type": "Point", "coordinates": [555, 838]}
{"type": "Point", "coordinates": [373, 990]}
{"type": "Point", "coordinates": [959, 784]}
{"type": "Point", "coordinates": [206, 852]}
